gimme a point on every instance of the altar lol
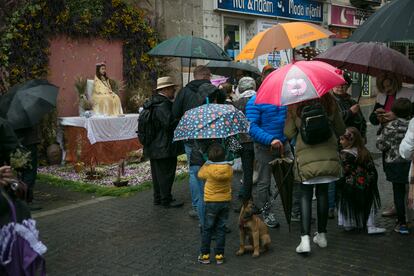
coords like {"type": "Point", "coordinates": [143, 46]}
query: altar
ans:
{"type": "Point", "coordinates": [103, 140]}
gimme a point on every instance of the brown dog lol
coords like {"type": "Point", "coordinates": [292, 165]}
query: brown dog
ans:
{"type": "Point", "coordinates": [253, 230]}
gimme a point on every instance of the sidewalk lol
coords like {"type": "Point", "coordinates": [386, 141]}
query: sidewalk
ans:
{"type": "Point", "coordinates": [130, 236]}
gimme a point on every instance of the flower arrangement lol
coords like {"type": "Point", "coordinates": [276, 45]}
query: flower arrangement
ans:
{"type": "Point", "coordinates": [24, 43]}
{"type": "Point", "coordinates": [20, 160]}
{"type": "Point", "coordinates": [24, 50]}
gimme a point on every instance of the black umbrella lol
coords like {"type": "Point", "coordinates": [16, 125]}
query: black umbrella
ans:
{"type": "Point", "coordinates": [369, 58]}
{"type": "Point", "coordinates": [26, 104]}
{"type": "Point", "coordinates": [282, 169]}
{"type": "Point", "coordinates": [191, 47]}
{"type": "Point", "coordinates": [229, 68]}
{"type": "Point", "coordinates": [392, 22]}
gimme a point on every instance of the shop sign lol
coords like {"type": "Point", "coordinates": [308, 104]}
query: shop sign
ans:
{"type": "Point", "coordinates": [305, 10]}
{"type": "Point", "coordinates": [348, 16]}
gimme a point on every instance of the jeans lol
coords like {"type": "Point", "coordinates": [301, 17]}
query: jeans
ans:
{"type": "Point", "coordinates": [263, 155]}
{"type": "Point", "coordinates": [306, 207]}
{"type": "Point", "coordinates": [199, 189]}
{"type": "Point", "coordinates": [331, 195]}
{"type": "Point", "coordinates": [193, 179]}
{"type": "Point", "coordinates": [216, 215]}
{"type": "Point", "coordinates": [247, 159]}
{"type": "Point", "coordinates": [399, 201]}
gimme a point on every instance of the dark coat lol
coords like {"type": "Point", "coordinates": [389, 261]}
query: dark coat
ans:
{"type": "Point", "coordinates": [8, 141]}
{"type": "Point", "coordinates": [350, 119]}
{"type": "Point", "coordinates": [187, 98]}
{"type": "Point", "coordinates": [164, 124]}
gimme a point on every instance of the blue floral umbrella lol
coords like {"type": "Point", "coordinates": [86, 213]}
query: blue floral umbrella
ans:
{"type": "Point", "coordinates": [211, 121]}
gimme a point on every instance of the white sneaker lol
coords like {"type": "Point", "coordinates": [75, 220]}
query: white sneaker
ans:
{"type": "Point", "coordinates": [320, 239]}
{"type": "Point", "coordinates": [304, 246]}
{"type": "Point", "coordinates": [376, 230]}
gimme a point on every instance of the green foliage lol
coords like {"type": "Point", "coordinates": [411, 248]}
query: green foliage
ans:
{"type": "Point", "coordinates": [79, 186]}
{"type": "Point", "coordinates": [24, 50]}
{"type": "Point", "coordinates": [20, 160]}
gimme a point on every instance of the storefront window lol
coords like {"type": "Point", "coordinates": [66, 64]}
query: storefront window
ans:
{"type": "Point", "coordinates": [232, 39]}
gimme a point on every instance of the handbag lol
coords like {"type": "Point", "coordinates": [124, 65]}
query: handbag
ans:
{"type": "Point", "coordinates": [21, 251]}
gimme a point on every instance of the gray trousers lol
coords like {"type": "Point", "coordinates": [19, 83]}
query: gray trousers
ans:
{"type": "Point", "coordinates": [264, 155]}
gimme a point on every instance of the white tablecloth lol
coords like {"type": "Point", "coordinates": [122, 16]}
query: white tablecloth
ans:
{"type": "Point", "coordinates": [103, 129]}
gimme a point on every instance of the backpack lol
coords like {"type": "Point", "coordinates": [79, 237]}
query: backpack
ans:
{"type": "Point", "coordinates": [315, 127]}
{"type": "Point", "coordinates": [146, 131]}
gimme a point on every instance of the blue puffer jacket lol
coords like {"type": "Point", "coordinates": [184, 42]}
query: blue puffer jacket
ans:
{"type": "Point", "coordinates": [266, 122]}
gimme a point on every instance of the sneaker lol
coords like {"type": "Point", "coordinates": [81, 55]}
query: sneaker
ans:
{"type": "Point", "coordinates": [204, 258]}
{"type": "Point", "coordinates": [390, 212]}
{"type": "Point", "coordinates": [193, 214]}
{"type": "Point", "coordinates": [304, 246]}
{"type": "Point", "coordinates": [402, 229]}
{"type": "Point", "coordinates": [320, 239]}
{"type": "Point", "coordinates": [270, 220]}
{"type": "Point", "coordinates": [372, 230]}
{"type": "Point", "coordinates": [219, 258]}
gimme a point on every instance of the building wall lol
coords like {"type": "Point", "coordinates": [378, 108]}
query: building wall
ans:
{"type": "Point", "coordinates": [70, 59]}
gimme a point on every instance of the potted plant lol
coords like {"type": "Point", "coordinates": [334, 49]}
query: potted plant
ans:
{"type": "Point", "coordinates": [121, 181]}
{"type": "Point", "coordinates": [94, 172]}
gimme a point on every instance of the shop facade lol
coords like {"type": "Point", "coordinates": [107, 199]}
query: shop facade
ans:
{"type": "Point", "coordinates": [237, 21]}
{"type": "Point", "coordinates": [343, 21]}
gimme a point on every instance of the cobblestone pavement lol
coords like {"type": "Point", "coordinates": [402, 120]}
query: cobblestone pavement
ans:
{"type": "Point", "coordinates": [130, 236]}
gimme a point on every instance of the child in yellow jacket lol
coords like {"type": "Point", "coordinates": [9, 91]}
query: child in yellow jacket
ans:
{"type": "Point", "coordinates": [218, 175]}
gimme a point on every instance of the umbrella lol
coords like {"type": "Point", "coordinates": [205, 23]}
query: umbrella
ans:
{"type": "Point", "coordinates": [392, 22]}
{"type": "Point", "coordinates": [369, 58]}
{"type": "Point", "coordinates": [211, 121]}
{"type": "Point", "coordinates": [282, 36]}
{"type": "Point", "coordinates": [283, 174]}
{"type": "Point", "coordinates": [229, 68]}
{"type": "Point", "coordinates": [308, 53]}
{"type": "Point", "coordinates": [25, 105]}
{"type": "Point", "coordinates": [191, 47]}
{"type": "Point", "coordinates": [297, 82]}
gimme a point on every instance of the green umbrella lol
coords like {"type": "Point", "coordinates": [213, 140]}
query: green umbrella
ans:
{"type": "Point", "coordinates": [26, 104]}
{"type": "Point", "coordinates": [191, 47]}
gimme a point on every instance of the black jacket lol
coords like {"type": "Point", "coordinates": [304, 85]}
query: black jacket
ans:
{"type": "Point", "coordinates": [164, 124]}
{"type": "Point", "coordinates": [344, 103]}
{"type": "Point", "coordinates": [187, 98]}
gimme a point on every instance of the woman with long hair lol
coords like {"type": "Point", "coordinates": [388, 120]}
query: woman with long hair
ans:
{"type": "Point", "coordinates": [317, 166]}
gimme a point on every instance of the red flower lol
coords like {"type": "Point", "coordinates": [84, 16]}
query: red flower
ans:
{"type": "Point", "coordinates": [361, 180]}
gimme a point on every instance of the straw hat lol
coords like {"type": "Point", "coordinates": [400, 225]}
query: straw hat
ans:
{"type": "Point", "coordinates": [164, 82]}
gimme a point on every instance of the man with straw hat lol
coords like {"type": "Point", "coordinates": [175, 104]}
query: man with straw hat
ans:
{"type": "Point", "coordinates": [161, 150]}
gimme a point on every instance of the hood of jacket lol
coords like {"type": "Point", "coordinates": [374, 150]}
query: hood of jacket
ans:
{"type": "Point", "coordinates": [219, 171]}
{"type": "Point", "coordinates": [207, 89]}
{"type": "Point", "coordinates": [195, 84]}
{"type": "Point", "coordinates": [154, 100]}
